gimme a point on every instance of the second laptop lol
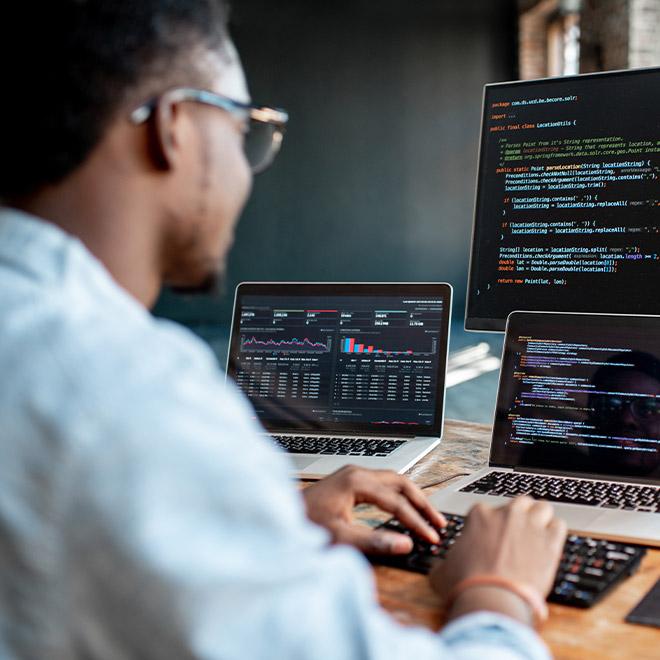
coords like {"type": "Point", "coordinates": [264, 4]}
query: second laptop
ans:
{"type": "Point", "coordinates": [344, 373]}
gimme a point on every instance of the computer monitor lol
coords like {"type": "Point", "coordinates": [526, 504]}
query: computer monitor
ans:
{"type": "Point", "coordinates": [567, 213]}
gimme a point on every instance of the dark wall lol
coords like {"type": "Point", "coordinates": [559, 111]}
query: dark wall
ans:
{"type": "Point", "coordinates": [375, 180]}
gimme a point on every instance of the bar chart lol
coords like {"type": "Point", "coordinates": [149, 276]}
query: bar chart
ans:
{"type": "Point", "coordinates": [352, 345]}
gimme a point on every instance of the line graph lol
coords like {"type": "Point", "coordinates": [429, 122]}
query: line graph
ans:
{"type": "Point", "coordinates": [293, 345]}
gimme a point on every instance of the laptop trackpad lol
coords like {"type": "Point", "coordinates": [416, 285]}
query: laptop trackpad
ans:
{"type": "Point", "coordinates": [301, 462]}
{"type": "Point", "coordinates": [645, 526]}
{"type": "Point", "coordinates": [578, 518]}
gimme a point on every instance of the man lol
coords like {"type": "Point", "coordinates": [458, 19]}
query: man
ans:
{"type": "Point", "coordinates": [628, 421]}
{"type": "Point", "coordinates": [141, 513]}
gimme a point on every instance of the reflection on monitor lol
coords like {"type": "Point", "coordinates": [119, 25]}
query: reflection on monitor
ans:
{"type": "Point", "coordinates": [580, 393]}
{"type": "Point", "coordinates": [567, 213]}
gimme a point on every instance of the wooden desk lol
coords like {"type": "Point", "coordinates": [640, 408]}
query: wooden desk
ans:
{"type": "Point", "coordinates": [570, 633]}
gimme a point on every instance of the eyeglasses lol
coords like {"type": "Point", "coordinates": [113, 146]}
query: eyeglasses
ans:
{"type": "Point", "coordinates": [264, 127]}
{"type": "Point", "coordinates": [642, 408]}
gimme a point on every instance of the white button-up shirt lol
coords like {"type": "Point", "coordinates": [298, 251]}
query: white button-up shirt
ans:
{"type": "Point", "coordinates": [143, 514]}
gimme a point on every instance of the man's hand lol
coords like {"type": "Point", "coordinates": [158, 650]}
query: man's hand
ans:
{"type": "Point", "coordinates": [330, 504]}
{"type": "Point", "coordinates": [521, 542]}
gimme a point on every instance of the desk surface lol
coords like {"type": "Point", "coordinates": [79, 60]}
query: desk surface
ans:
{"type": "Point", "coordinates": [599, 632]}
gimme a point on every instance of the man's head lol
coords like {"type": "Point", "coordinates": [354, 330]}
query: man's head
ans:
{"type": "Point", "coordinates": [624, 407]}
{"type": "Point", "coordinates": [73, 71]}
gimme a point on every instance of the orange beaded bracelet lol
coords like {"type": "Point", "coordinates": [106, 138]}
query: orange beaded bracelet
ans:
{"type": "Point", "coordinates": [530, 596]}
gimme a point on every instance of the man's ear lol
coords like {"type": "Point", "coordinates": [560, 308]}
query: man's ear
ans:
{"type": "Point", "coordinates": [165, 134]}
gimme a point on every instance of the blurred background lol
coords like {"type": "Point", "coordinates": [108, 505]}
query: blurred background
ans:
{"type": "Point", "coordinates": [376, 178]}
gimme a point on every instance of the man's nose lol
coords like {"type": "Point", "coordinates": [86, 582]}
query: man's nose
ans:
{"type": "Point", "coordinates": [628, 419]}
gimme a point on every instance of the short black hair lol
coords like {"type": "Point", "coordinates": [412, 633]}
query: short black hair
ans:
{"type": "Point", "coordinates": [68, 66]}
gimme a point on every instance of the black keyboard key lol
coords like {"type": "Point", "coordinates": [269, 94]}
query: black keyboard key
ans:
{"type": "Point", "coordinates": [421, 562]}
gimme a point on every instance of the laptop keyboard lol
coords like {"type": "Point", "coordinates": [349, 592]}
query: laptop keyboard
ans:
{"type": "Point", "coordinates": [327, 446]}
{"type": "Point", "coordinates": [587, 570]}
{"type": "Point", "coordinates": [603, 494]}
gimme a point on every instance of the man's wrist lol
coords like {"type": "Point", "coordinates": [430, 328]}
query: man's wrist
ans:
{"type": "Point", "coordinates": [493, 599]}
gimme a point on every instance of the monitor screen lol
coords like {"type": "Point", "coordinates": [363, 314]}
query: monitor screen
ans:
{"type": "Point", "coordinates": [580, 393]}
{"type": "Point", "coordinates": [334, 357]}
{"type": "Point", "coordinates": [567, 214]}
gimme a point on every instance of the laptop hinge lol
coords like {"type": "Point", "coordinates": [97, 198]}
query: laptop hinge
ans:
{"type": "Point", "coordinates": [344, 434]}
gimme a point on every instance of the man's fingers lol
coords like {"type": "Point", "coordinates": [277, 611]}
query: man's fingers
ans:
{"type": "Point", "coordinates": [519, 505]}
{"type": "Point", "coordinates": [558, 528]}
{"type": "Point", "coordinates": [375, 542]}
{"type": "Point", "coordinates": [398, 484]}
{"type": "Point", "coordinates": [399, 506]}
{"type": "Point", "coordinates": [421, 503]}
{"type": "Point", "coordinates": [542, 513]}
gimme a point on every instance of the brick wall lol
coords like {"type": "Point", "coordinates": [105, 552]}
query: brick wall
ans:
{"type": "Point", "coordinates": [644, 46]}
{"type": "Point", "coordinates": [615, 34]}
{"type": "Point", "coordinates": [532, 37]}
{"type": "Point", "coordinates": [604, 36]}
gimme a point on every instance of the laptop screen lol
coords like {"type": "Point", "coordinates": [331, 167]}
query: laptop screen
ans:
{"type": "Point", "coordinates": [580, 393]}
{"type": "Point", "coordinates": [359, 358]}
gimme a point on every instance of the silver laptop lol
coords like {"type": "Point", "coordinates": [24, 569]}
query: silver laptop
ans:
{"type": "Point", "coordinates": [577, 422]}
{"type": "Point", "coordinates": [344, 373]}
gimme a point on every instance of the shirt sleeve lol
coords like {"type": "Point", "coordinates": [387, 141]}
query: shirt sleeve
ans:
{"type": "Point", "coordinates": [188, 539]}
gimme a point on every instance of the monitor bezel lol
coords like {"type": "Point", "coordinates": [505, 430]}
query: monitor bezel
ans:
{"type": "Point", "coordinates": [441, 290]}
